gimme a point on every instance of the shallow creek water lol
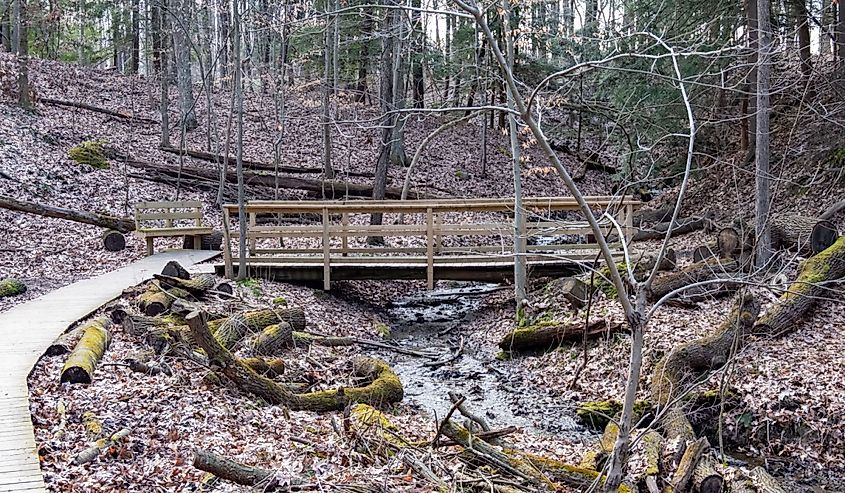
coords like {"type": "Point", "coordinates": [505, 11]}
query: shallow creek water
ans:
{"type": "Point", "coordinates": [435, 321]}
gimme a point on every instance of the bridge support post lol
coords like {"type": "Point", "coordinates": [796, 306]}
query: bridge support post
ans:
{"type": "Point", "coordinates": [327, 269]}
{"type": "Point", "coordinates": [227, 246]}
{"type": "Point", "coordinates": [429, 247]}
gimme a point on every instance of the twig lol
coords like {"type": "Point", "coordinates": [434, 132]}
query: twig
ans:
{"type": "Point", "coordinates": [448, 360]}
{"type": "Point", "coordinates": [446, 420]}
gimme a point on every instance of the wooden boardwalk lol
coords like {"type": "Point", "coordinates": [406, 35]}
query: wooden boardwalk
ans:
{"type": "Point", "coordinates": [28, 329]}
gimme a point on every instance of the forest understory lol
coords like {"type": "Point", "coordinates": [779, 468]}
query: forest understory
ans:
{"type": "Point", "coordinates": [778, 410]}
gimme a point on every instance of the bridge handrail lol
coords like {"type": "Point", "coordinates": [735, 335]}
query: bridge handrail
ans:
{"type": "Point", "coordinates": [433, 229]}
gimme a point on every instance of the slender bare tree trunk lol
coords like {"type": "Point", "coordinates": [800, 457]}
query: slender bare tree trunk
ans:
{"type": "Point", "coordinates": [21, 42]}
{"type": "Point", "coordinates": [764, 244]}
{"type": "Point", "coordinates": [751, 84]}
{"type": "Point", "coordinates": [802, 19]}
{"type": "Point", "coordinates": [239, 98]}
{"type": "Point", "coordinates": [328, 45]}
{"type": "Point", "coordinates": [386, 98]}
{"type": "Point", "coordinates": [223, 19]}
{"type": "Point", "coordinates": [135, 60]}
{"type": "Point", "coordinates": [164, 76]}
{"type": "Point", "coordinates": [182, 49]}
{"type": "Point", "coordinates": [519, 244]}
{"type": "Point", "coordinates": [6, 24]}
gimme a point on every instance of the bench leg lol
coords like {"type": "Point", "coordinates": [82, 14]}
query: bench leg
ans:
{"type": "Point", "coordinates": [149, 245]}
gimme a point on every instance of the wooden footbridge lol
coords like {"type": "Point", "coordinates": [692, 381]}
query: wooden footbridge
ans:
{"type": "Point", "coordinates": [456, 239]}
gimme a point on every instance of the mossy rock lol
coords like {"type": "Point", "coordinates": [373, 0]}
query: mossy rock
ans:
{"type": "Point", "coordinates": [11, 287]}
{"type": "Point", "coordinates": [90, 153]}
{"type": "Point", "coordinates": [596, 414]}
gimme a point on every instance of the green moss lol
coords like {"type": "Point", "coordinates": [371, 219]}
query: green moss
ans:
{"type": "Point", "coordinates": [815, 270]}
{"type": "Point", "coordinates": [504, 356]}
{"type": "Point", "coordinates": [11, 287]}
{"type": "Point", "coordinates": [90, 153]}
{"type": "Point", "coordinates": [280, 301]}
{"type": "Point", "coordinates": [596, 414]}
{"type": "Point", "coordinates": [382, 329]}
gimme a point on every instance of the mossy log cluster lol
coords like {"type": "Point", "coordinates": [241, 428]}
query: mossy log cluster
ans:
{"type": "Point", "coordinates": [83, 360]}
{"type": "Point", "coordinates": [11, 287]}
{"type": "Point", "coordinates": [541, 473]}
{"type": "Point", "coordinates": [383, 386]}
{"type": "Point", "coordinates": [548, 335]}
{"type": "Point", "coordinates": [710, 269]}
{"type": "Point", "coordinates": [231, 330]}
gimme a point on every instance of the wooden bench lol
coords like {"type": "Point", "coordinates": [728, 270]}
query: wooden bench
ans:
{"type": "Point", "coordinates": [169, 219]}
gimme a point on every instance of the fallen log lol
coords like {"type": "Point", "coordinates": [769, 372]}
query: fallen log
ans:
{"type": "Point", "coordinates": [805, 234]}
{"type": "Point", "coordinates": [175, 269]}
{"type": "Point", "coordinates": [158, 299]}
{"type": "Point", "coordinates": [705, 252]}
{"type": "Point", "coordinates": [196, 285]}
{"type": "Point", "coordinates": [383, 386]}
{"type": "Point", "coordinates": [539, 471]}
{"type": "Point", "coordinates": [80, 365]}
{"type": "Point", "coordinates": [649, 216]}
{"type": "Point", "coordinates": [123, 225]}
{"type": "Point", "coordinates": [113, 241]}
{"type": "Point", "coordinates": [681, 226]}
{"type": "Point", "coordinates": [98, 109]}
{"type": "Point", "coordinates": [331, 189]}
{"type": "Point", "coordinates": [803, 294]}
{"type": "Point", "coordinates": [92, 452]}
{"type": "Point", "coordinates": [254, 165]}
{"type": "Point", "coordinates": [65, 342]}
{"type": "Point", "coordinates": [642, 269]}
{"type": "Point", "coordinates": [11, 287]}
{"type": "Point", "coordinates": [271, 368]}
{"type": "Point", "coordinates": [231, 330]}
{"type": "Point", "coordinates": [230, 470]}
{"type": "Point", "coordinates": [706, 270]}
{"type": "Point", "coordinates": [546, 336]}
{"type": "Point", "coordinates": [273, 339]}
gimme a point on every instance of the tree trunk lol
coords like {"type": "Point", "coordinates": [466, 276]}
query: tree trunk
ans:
{"type": "Point", "coordinates": [762, 197]}
{"type": "Point", "coordinates": [682, 226]}
{"type": "Point", "coordinates": [135, 59]}
{"type": "Point", "coordinates": [183, 18]}
{"type": "Point", "coordinates": [328, 172]}
{"type": "Point", "coordinates": [223, 19]}
{"type": "Point", "coordinates": [549, 336]}
{"type": "Point", "coordinates": [364, 57]}
{"type": "Point", "coordinates": [80, 365]}
{"type": "Point", "coordinates": [808, 235]}
{"type": "Point", "coordinates": [802, 20]}
{"type": "Point", "coordinates": [419, 53]}
{"type": "Point", "coordinates": [123, 225]}
{"type": "Point", "coordinates": [164, 73]}
{"type": "Point", "coordinates": [749, 117]}
{"type": "Point", "coordinates": [21, 42]}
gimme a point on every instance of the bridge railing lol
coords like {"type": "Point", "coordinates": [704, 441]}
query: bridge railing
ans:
{"type": "Point", "coordinates": [420, 232]}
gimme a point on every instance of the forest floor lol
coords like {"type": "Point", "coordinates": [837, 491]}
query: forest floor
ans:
{"type": "Point", "coordinates": [790, 408]}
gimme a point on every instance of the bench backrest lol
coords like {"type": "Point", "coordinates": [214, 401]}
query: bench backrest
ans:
{"type": "Point", "coordinates": [150, 215]}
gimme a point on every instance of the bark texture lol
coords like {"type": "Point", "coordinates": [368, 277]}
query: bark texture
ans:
{"type": "Point", "coordinates": [80, 365]}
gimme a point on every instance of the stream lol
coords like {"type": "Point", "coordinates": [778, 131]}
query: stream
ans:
{"type": "Point", "coordinates": [435, 321]}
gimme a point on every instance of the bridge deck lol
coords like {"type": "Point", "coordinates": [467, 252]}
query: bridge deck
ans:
{"type": "Point", "coordinates": [28, 329]}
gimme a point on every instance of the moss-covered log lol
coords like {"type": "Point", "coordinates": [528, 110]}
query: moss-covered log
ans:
{"type": "Point", "coordinates": [11, 287]}
{"type": "Point", "coordinates": [545, 336]}
{"type": "Point", "coordinates": [232, 329]}
{"type": "Point", "coordinates": [268, 367]}
{"type": "Point", "coordinates": [706, 270]}
{"type": "Point", "coordinates": [539, 471]}
{"type": "Point", "coordinates": [597, 414]}
{"type": "Point", "coordinates": [383, 386]}
{"type": "Point", "coordinates": [273, 339]}
{"type": "Point", "coordinates": [65, 342]}
{"type": "Point", "coordinates": [811, 285]}
{"type": "Point", "coordinates": [642, 268]}
{"type": "Point", "coordinates": [80, 365]}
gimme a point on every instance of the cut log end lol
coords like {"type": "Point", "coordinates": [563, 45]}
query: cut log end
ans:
{"type": "Point", "coordinates": [824, 235]}
{"type": "Point", "coordinates": [114, 241]}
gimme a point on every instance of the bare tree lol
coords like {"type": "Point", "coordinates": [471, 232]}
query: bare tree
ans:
{"type": "Point", "coordinates": [182, 16]}
{"type": "Point", "coordinates": [20, 15]}
{"type": "Point", "coordinates": [763, 198]}
{"type": "Point", "coordinates": [164, 79]}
